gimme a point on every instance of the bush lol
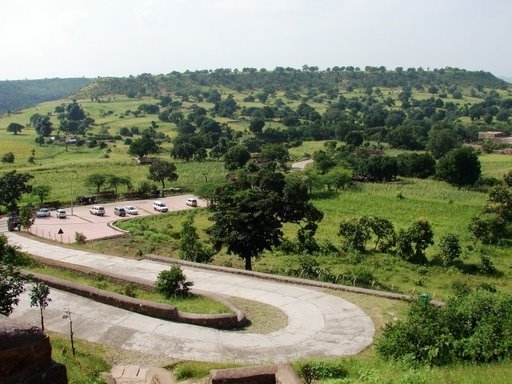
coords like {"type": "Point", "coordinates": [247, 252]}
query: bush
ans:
{"type": "Point", "coordinates": [322, 369]}
{"type": "Point", "coordinates": [8, 158]}
{"type": "Point", "coordinates": [173, 283]}
{"type": "Point", "coordinates": [474, 326]}
{"type": "Point", "coordinates": [450, 249]}
{"type": "Point", "coordinates": [80, 238]}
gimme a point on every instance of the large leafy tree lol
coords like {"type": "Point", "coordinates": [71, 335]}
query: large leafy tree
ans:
{"type": "Point", "coordinates": [41, 124]}
{"type": "Point", "coordinates": [12, 186]}
{"type": "Point", "coordinates": [14, 128]}
{"type": "Point", "coordinates": [143, 146]}
{"type": "Point", "coordinates": [96, 180]}
{"type": "Point", "coordinates": [162, 170]}
{"type": "Point", "coordinates": [236, 157]}
{"type": "Point", "coordinates": [249, 212]}
{"type": "Point", "coordinates": [459, 167]}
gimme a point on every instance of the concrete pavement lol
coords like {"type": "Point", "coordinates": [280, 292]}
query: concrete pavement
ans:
{"type": "Point", "coordinates": [318, 324]}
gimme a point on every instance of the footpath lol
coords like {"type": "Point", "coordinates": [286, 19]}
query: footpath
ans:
{"type": "Point", "coordinates": [319, 325]}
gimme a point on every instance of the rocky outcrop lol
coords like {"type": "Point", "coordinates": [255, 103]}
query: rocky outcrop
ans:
{"type": "Point", "coordinates": [26, 356]}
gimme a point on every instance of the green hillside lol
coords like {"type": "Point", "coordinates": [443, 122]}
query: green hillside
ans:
{"type": "Point", "coordinates": [24, 93]}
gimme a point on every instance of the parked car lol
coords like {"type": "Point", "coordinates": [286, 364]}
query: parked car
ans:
{"type": "Point", "coordinates": [119, 211]}
{"type": "Point", "coordinates": [131, 210]}
{"type": "Point", "coordinates": [97, 210]}
{"type": "Point", "coordinates": [160, 206]}
{"type": "Point", "coordinates": [192, 202]}
{"type": "Point", "coordinates": [61, 213]}
{"type": "Point", "coordinates": [43, 212]}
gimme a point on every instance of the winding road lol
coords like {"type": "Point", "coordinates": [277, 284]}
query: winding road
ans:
{"type": "Point", "coordinates": [319, 324]}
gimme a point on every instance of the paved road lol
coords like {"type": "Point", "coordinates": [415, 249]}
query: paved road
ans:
{"type": "Point", "coordinates": [301, 164]}
{"type": "Point", "coordinates": [318, 324]}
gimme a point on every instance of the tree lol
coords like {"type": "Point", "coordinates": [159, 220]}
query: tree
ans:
{"type": "Point", "coordinates": [8, 157]}
{"type": "Point", "coordinates": [276, 153]}
{"type": "Point", "coordinates": [40, 297]}
{"type": "Point", "coordinates": [354, 138]}
{"type": "Point", "coordinates": [442, 141]}
{"type": "Point", "coordinates": [26, 218]}
{"type": "Point", "coordinates": [378, 168]}
{"type": "Point", "coordinates": [420, 165]}
{"type": "Point", "coordinates": [248, 213]}
{"type": "Point", "coordinates": [12, 186]}
{"type": "Point", "coordinates": [236, 157]}
{"type": "Point", "coordinates": [14, 128]}
{"type": "Point", "coordinates": [256, 125]}
{"type": "Point", "coordinates": [11, 287]}
{"type": "Point", "coordinates": [143, 146]}
{"type": "Point", "coordinates": [162, 170]}
{"type": "Point", "coordinates": [42, 191]}
{"type": "Point", "coordinates": [11, 280]}
{"type": "Point", "coordinates": [41, 124]}
{"type": "Point", "coordinates": [190, 247]}
{"type": "Point", "coordinates": [459, 167]}
{"type": "Point", "coordinates": [96, 180]}
{"type": "Point", "coordinates": [450, 249]}
{"type": "Point", "coordinates": [412, 243]}
{"type": "Point", "coordinates": [323, 162]}
{"type": "Point", "coordinates": [173, 283]}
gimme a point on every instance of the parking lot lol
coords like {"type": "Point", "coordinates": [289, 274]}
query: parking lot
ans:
{"type": "Point", "coordinates": [79, 219]}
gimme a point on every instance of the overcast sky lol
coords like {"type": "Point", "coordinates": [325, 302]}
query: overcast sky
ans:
{"type": "Point", "coordinates": [75, 38]}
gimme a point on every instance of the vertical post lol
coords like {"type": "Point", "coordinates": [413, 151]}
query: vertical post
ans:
{"type": "Point", "coordinates": [68, 316]}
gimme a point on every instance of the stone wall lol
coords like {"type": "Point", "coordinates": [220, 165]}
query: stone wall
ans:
{"type": "Point", "coordinates": [265, 374]}
{"type": "Point", "coordinates": [25, 356]}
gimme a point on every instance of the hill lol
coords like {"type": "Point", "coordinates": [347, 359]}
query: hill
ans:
{"type": "Point", "coordinates": [24, 93]}
{"type": "Point", "coordinates": [290, 79]}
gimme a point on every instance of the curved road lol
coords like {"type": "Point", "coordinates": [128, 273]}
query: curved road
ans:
{"type": "Point", "coordinates": [318, 324]}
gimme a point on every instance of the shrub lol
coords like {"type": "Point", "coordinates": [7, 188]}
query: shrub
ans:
{"type": "Point", "coordinates": [173, 283]}
{"type": "Point", "coordinates": [80, 238]}
{"type": "Point", "coordinates": [322, 369]}
{"type": "Point", "coordinates": [8, 157]}
{"type": "Point", "coordinates": [190, 247]}
{"type": "Point", "coordinates": [474, 326]}
{"type": "Point", "coordinates": [450, 249]}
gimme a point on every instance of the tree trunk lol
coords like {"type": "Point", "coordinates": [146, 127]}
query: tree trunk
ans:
{"type": "Point", "coordinates": [163, 187]}
{"type": "Point", "coordinates": [42, 318]}
{"type": "Point", "coordinates": [248, 264]}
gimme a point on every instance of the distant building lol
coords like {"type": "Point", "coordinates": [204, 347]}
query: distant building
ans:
{"type": "Point", "coordinates": [490, 135]}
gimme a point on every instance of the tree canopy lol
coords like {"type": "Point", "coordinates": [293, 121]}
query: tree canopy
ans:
{"type": "Point", "coordinates": [248, 213]}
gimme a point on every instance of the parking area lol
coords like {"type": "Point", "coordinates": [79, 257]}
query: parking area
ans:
{"type": "Point", "coordinates": [79, 219]}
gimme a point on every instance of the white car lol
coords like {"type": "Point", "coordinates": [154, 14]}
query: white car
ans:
{"type": "Point", "coordinates": [192, 202]}
{"type": "Point", "coordinates": [43, 212]}
{"type": "Point", "coordinates": [160, 206]}
{"type": "Point", "coordinates": [61, 213]}
{"type": "Point", "coordinates": [130, 209]}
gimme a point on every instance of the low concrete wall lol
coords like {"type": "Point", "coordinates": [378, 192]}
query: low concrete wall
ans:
{"type": "Point", "coordinates": [265, 374]}
{"type": "Point", "coordinates": [144, 307]}
{"type": "Point", "coordinates": [287, 279]}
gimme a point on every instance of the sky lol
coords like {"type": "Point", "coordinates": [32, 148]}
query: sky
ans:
{"type": "Point", "coordinates": [92, 38]}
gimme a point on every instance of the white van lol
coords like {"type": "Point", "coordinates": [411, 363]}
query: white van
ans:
{"type": "Point", "coordinates": [192, 202]}
{"type": "Point", "coordinates": [160, 206]}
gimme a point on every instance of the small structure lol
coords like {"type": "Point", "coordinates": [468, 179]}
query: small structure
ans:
{"type": "Point", "coordinates": [490, 135]}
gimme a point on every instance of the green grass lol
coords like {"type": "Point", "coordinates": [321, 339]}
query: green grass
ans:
{"type": "Point", "coordinates": [86, 366]}
{"type": "Point", "coordinates": [192, 303]}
